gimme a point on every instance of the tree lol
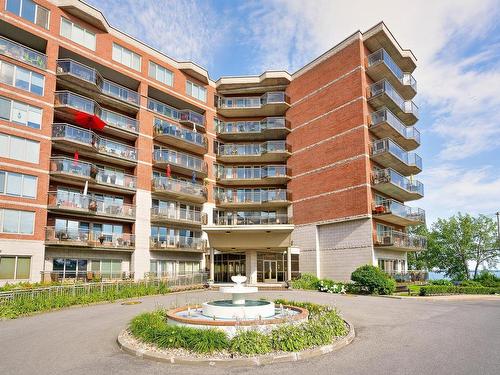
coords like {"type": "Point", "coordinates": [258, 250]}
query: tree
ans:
{"type": "Point", "coordinates": [420, 260]}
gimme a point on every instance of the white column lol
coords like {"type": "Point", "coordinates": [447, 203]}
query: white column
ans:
{"type": "Point", "coordinates": [289, 264]}
{"type": "Point", "coordinates": [140, 258]}
{"type": "Point", "coordinates": [251, 266]}
{"type": "Point", "coordinates": [318, 260]}
{"type": "Point", "coordinates": [212, 264]}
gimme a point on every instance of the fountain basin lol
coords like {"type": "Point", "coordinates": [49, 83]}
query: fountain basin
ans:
{"type": "Point", "coordinates": [248, 309]}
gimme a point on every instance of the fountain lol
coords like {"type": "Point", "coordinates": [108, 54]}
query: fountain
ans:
{"type": "Point", "coordinates": [237, 312]}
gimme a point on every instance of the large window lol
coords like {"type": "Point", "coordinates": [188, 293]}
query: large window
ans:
{"type": "Point", "coordinates": [17, 184]}
{"type": "Point", "coordinates": [161, 74]}
{"type": "Point", "coordinates": [30, 11]}
{"type": "Point", "coordinates": [14, 267]}
{"type": "Point", "coordinates": [19, 148]}
{"type": "Point", "coordinates": [196, 91]}
{"type": "Point", "coordinates": [15, 221]}
{"type": "Point", "coordinates": [20, 113]}
{"type": "Point", "coordinates": [108, 268]}
{"type": "Point", "coordinates": [77, 34]}
{"type": "Point", "coordinates": [21, 78]}
{"type": "Point", "coordinates": [126, 57]}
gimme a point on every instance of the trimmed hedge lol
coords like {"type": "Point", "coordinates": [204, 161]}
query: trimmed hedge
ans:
{"type": "Point", "coordinates": [432, 290]}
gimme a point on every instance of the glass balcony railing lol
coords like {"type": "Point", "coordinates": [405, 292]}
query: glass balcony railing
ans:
{"type": "Point", "coordinates": [179, 186]}
{"type": "Point", "coordinates": [242, 173]}
{"type": "Point", "coordinates": [384, 86]}
{"type": "Point", "coordinates": [252, 149]}
{"type": "Point", "coordinates": [178, 214]}
{"type": "Point", "coordinates": [387, 145]}
{"type": "Point", "coordinates": [251, 218]}
{"type": "Point", "coordinates": [90, 204]}
{"type": "Point", "coordinates": [162, 127]}
{"type": "Point", "coordinates": [22, 53]}
{"type": "Point", "coordinates": [163, 109]}
{"type": "Point", "coordinates": [384, 115]}
{"type": "Point", "coordinates": [391, 176]}
{"type": "Point", "coordinates": [81, 103]}
{"type": "Point", "coordinates": [186, 115]}
{"type": "Point", "coordinates": [70, 167]}
{"type": "Point", "coordinates": [117, 91]}
{"type": "Point", "coordinates": [402, 240]}
{"type": "Point", "coordinates": [381, 56]}
{"type": "Point", "coordinates": [86, 237]}
{"type": "Point", "coordinates": [119, 121]}
{"type": "Point", "coordinates": [242, 127]}
{"type": "Point", "coordinates": [180, 159]}
{"type": "Point", "coordinates": [274, 97]}
{"type": "Point", "coordinates": [88, 137]}
{"type": "Point", "coordinates": [276, 146]}
{"type": "Point", "coordinates": [177, 242]}
{"type": "Point", "coordinates": [251, 196]}
{"type": "Point", "coordinates": [254, 101]}
{"type": "Point", "coordinates": [390, 206]}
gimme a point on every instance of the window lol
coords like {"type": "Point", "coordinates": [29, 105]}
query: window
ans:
{"type": "Point", "coordinates": [20, 113]}
{"type": "Point", "coordinates": [14, 221]}
{"type": "Point", "coordinates": [21, 78]}
{"type": "Point", "coordinates": [77, 34]}
{"type": "Point", "coordinates": [14, 267]}
{"type": "Point", "coordinates": [126, 57]}
{"type": "Point", "coordinates": [17, 148]}
{"type": "Point", "coordinates": [17, 184]}
{"type": "Point", "coordinates": [30, 11]}
{"type": "Point", "coordinates": [108, 268]}
{"type": "Point", "coordinates": [161, 74]}
{"type": "Point", "coordinates": [196, 91]}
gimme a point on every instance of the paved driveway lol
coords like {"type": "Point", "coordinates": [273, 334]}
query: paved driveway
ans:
{"type": "Point", "coordinates": [393, 336]}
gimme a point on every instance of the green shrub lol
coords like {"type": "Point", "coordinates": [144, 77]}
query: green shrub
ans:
{"type": "Point", "coordinates": [145, 326]}
{"type": "Point", "coordinates": [290, 338]}
{"type": "Point", "coordinates": [470, 283]}
{"type": "Point", "coordinates": [431, 290]}
{"type": "Point", "coordinates": [373, 280]}
{"type": "Point", "coordinates": [306, 281]}
{"type": "Point", "coordinates": [488, 279]}
{"type": "Point", "coordinates": [205, 340]}
{"type": "Point", "coordinates": [250, 342]}
{"type": "Point", "coordinates": [440, 282]}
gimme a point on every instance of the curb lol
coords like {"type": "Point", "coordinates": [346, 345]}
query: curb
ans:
{"type": "Point", "coordinates": [261, 360]}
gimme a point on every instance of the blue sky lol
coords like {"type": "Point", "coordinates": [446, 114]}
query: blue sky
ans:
{"type": "Point", "coordinates": [457, 44]}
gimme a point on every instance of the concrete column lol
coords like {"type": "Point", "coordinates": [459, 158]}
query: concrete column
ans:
{"type": "Point", "coordinates": [289, 264]}
{"type": "Point", "coordinates": [251, 266]}
{"type": "Point", "coordinates": [317, 252]}
{"type": "Point", "coordinates": [140, 258]}
{"type": "Point", "coordinates": [212, 264]}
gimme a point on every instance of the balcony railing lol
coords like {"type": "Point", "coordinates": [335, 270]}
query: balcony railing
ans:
{"type": "Point", "coordinates": [381, 56]}
{"type": "Point", "coordinates": [390, 206]}
{"type": "Point", "coordinates": [162, 127]}
{"type": "Point", "coordinates": [384, 86]}
{"type": "Point", "coordinates": [384, 115]}
{"type": "Point", "coordinates": [71, 167]}
{"type": "Point", "coordinates": [89, 204]}
{"type": "Point", "coordinates": [254, 101]}
{"type": "Point", "coordinates": [252, 196]}
{"type": "Point", "coordinates": [22, 53]}
{"type": "Point", "coordinates": [247, 173]}
{"type": "Point", "coordinates": [252, 149]}
{"type": "Point", "coordinates": [181, 159]}
{"type": "Point", "coordinates": [180, 214]}
{"type": "Point", "coordinates": [88, 137]}
{"type": "Point", "coordinates": [161, 242]}
{"type": "Point", "coordinates": [402, 240]}
{"type": "Point", "coordinates": [81, 237]}
{"type": "Point", "coordinates": [91, 75]}
{"type": "Point", "coordinates": [178, 186]}
{"type": "Point", "coordinates": [389, 175]}
{"type": "Point", "coordinates": [119, 120]}
{"type": "Point", "coordinates": [186, 115]}
{"type": "Point", "coordinates": [256, 218]}
{"type": "Point", "coordinates": [243, 127]}
{"type": "Point", "coordinates": [387, 145]}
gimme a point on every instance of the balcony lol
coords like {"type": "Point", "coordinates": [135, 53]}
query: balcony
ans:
{"type": "Point", "coordinates": [176, 216]}
{"type": "Point", "coordinates": [65, 170]}
{"type": "Point", "coordinates": [87, 205]}
{"type": "Point", "coordinates": [70, 138]}
{"type": "Point", "coordinates": [188, 117]}
{"type": "Point", "coordinates": [248, 198]}
{"type": "Point", "coordinates": [381, 65]}
{"type": "Point", "coordinates": [78, 238]}
{"type": "Point", "coordinates": [259, 175]}
{"type": "Point", "coordinates": [185, 116]}
{"type": "Point", "coordinates": [77, 76]}
{"type": "Point", "coordinates": [252, 218]}
{"type": "Point", "coordinates": [182, 243]}
{"type": "Point", "coordinates": [268, 128]}
{"type": "Point", "coordinates": [177, 136]}
{"type": "Point", "coordinates": [384, 124]}
{"type": "Point", "coordinates": [394, 185]}
{"type": "Point", "coordinates": [395, 240]}
{"type": "Point", "coordinates": [271, 151]}
{"type": "Point", "coordinates": [397, 213]}
{"type": "Point", "coordinates": [179, 189]}
{"type": "Point", "coordinates": [22, 53]}
{"type": "Point", "coordinates": [381, 94]}
{"type": "Point", "coordinates": [269, 104]}
{"type": "Point", "coordinates": [180, 162]}
{"type": "Point", "coordinates": [69, 106]}
{"type": "Point", "coordinates": [389, 155]}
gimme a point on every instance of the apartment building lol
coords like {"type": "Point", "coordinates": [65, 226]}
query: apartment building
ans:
{"type": "Point", "coordinates": [117, 161]}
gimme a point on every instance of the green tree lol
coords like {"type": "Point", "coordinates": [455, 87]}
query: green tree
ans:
{"type": "Point", "coordinates": [420, 260]}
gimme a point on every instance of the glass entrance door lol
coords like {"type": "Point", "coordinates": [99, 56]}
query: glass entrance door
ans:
{"type": "Point", "coordinates": [270, 271]}
{"type": "Point", "coordinates": [234, 268]}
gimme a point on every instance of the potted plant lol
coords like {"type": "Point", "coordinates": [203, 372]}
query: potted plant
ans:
{"type": "Point", "coordinates": [93, 171]}
{"type": "Point", "coordinates": [102, 238]}
{"type": "Point", "coordinates": [113, 178]}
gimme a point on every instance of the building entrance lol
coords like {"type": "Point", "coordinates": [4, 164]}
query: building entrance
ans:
{"type": "Point", "coordinates": [227, 265]}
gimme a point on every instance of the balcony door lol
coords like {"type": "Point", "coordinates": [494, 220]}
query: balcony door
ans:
{"type": "Point", "coordinates": [270, 271]}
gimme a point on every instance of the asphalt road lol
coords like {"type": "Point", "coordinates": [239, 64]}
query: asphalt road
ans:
{"type": "Point", "coordinates": [393, 336]}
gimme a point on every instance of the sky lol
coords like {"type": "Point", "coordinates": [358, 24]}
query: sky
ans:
{"type": "Point", "coordinates": [456, 42]}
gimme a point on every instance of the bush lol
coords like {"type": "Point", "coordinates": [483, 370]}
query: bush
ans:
{"type": "Point", "coordinates": [250, 343]}
{"type": "Point", "coordinates": [470, 283]}
{"type": "Point", "coordinates": [205, 340]}
{"type": "Point", "coordinates": [373, 280]}
{"type": "Point", "coordinates": [330, 286]}
{"type": "Point", "coordinates": [306, 281]}
{"type": "Point", "coordinates": [447, 289]}
{"type": "Point", "coordinates": [440, 282]}
{"type": "Point", "coordinates": [488, 279]}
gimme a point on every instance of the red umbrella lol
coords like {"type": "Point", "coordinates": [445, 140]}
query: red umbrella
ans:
{"type": "Point", "coordinates": [75, 158]}
{"type": "Point", "coordinates": [89, 121]}
{"type": "Point", "coordinates": [168, 170]}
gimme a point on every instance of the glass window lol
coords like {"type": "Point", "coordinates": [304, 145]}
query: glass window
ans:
{"type": "Point", "coordinates": [42, 17]}
{"type": "Point", "coordinates": [28, 10]}
{"type": "Point", "coordinates": [196, 91]}
{"type": "Point", "coordinates": [5, 108]}
{"type": "Point", "coordinates": [17, 184]}
{"type": "Point", "coordinates": [21, 113]}
{"type": "Point", "coordinates": [23, 268]}
{"type": "Point", "coordinates": [37, 83]}
{"type": "Point", "coordinates": [66, 28]}
{"type": "Point", "coordinates": [14, 184]}
{"type": "Point", "coordinates": [22, 78]}
{"type": "Point", "coordinates": [14, 221]}
{"type": "Point", "coordinates": [161, 74]}
{"type": "Point", "coordinates": [77, 34]}
{"type": "Point", "coordinates": [6, 73]}
{"type": "Point", "coordinates": [126, 57]}
{"type": "Point", "coordinates": [34, 117]}
{"type": "Point", "coordinates": [10, 221]}
{"type": "Point", "coordinates": [2, 181]}
{"type": "Point", "coordinates": [7, 267]}
{"type": "Point", "coordinates": [14, 6]}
